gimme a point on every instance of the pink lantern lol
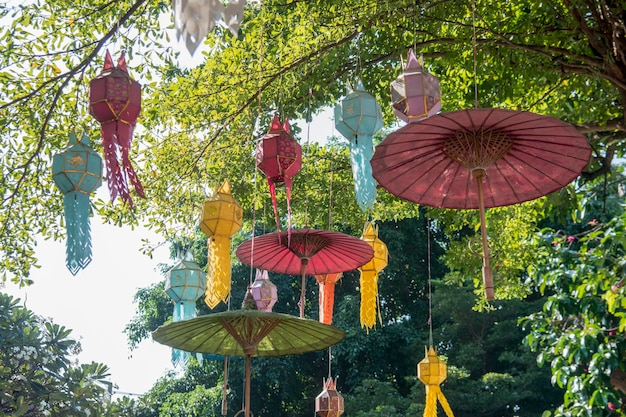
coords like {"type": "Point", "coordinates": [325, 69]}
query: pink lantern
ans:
{"type": "Point", "coordinates": [279, 157]}
{"type": "Point", "coordinates": [264, 291]}
{"type": "Point", "coordinates": [415, 94]}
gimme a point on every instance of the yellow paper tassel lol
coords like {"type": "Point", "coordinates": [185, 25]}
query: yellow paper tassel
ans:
{"type": "Point", "coordinates": [218, 271]}
{"type": "Point", "coordinates": [369, 277]}
{"type": "Point", "coordinates": [369, 292]}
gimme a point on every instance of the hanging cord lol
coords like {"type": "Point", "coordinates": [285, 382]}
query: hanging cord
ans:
{"type": "Point", "coordinates": [430, 289]}
{"type": "Point", "coordinates": [308, 148]}
{"type": "Point", "coordinates": [475, 53]}
{"type": "Point", "coordinates": [253, 226]}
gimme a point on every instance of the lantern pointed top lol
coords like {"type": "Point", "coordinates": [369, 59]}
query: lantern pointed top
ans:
{"type": "Point", "coordinates": [121, 63]}
{"type": "Point", "coordinates": [108, 61]}
{"type": "Point", "coordinates": [223, 193]}
{"type": "Point", "coordinates": [411, 61]}
{"type": "Point", "coordinates": [277, 125]}
{"type": "Point", "coordinates": [109, 66]}
{"type": "Point", "coordinates": [329, 383]}
{"type": "Point", "coordinates": [370, 232]}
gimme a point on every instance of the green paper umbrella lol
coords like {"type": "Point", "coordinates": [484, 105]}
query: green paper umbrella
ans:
{"type": "Point", "coordinates": [248, 333]}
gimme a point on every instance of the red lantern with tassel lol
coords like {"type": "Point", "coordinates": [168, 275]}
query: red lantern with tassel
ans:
{"type": "Point", "coordinates": [279, 157]}
{"type": "Point", "coordinates": [115, 102]}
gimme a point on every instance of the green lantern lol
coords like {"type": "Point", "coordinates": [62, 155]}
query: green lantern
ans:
{"type": "Point", "coordinates": [77, 172]}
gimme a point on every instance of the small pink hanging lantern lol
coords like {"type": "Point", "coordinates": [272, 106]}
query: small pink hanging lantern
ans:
{"type": "Point", "coordinates": [264, 291]}
{"type": "Point", "coordinates": [416, 94]}
{"type": "Point", "coordinates": [329, 403]}
{"type": "Point", "coordinates": [279, 157]}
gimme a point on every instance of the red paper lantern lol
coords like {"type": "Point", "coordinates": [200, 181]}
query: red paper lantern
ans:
{"type": "Point", "coordinates": [279, 157]}
{"type": "Point", "coordinates": [115, 102]}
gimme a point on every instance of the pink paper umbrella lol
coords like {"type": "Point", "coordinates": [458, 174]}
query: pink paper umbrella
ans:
{"type": "Point", "coordinates": [309, 251]}
{"type": "Point", "coordinates": [480, 158]}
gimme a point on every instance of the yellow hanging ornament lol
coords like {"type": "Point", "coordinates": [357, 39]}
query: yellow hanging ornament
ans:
{"type": "Point", "coordinates": [369, 277]}
{"type": "Point", "coordinates": [432, 372]}
{"type": "Point", "coordinates": [221, 218]}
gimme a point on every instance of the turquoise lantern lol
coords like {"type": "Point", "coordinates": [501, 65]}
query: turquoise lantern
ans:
{"type": "Point", "coordinates": [77, 172]}
{"type": "Point", "coordinates": [185, 282]}
{"type": "Point", "coordinates": [358, 117]}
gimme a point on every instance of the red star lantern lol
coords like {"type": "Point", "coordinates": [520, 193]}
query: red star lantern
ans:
{"type": "Point", "coordinates": [279, 157]}
{"type": "Point", "coordinates": [115, 102]}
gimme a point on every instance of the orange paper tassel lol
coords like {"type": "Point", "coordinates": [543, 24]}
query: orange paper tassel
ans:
{"type": "Point", "coordinates": [327, 295]}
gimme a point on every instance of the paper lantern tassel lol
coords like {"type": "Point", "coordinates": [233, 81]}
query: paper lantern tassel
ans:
{"type": "Point", "coordinates": [361, 152]}
{"type": "Point", "coordinates": [369, 298]}
{"type": "Point", "coordinates": [78, 245]}
{"type": "Point", "coordinates": [218, 271]}
{"type": "Point", "coordinates": [327, 295]}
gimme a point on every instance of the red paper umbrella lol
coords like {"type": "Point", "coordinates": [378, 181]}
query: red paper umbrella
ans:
{"type": "Point", "coordinates": [115, 102]}
{"type": "Point", "coordinates": [309, 251]}
{"type": "Point", "coordinates": [479, 158]}
{"type": "Point", "coordinates": [279, 157]}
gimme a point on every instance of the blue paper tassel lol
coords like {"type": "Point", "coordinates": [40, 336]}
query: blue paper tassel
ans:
{"type": "Point", "coordinates": [183, 310]}
{"type": "Point", "coordinates": [78, 245]}
{"type": "Point", "coordinates": [361, 152]}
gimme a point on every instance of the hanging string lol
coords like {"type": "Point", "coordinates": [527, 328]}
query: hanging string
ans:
{"type": "Point", "coordinates": [258, 122]}
{"type": "Point", "coordinates": [430, 289]}
{"type": "Point", "coordinates": [475, 53]}
{"type": "Point", "coordinates": [308, 148]}
{"type": "Point", "coordinates": [330, 359]}
{"type": "Point", "coordinates": [330, 197]}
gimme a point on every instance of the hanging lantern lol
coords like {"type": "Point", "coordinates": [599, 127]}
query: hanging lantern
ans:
{"type": "Point", "coordinates": [77, 172]}
{"type": "Point", "coordinates": [115, 102]}
{"type": "Point", "coordinates": [369, 277]}
{"type": "Point", "coordinates": [327, 295]}
{"type": "Point", "coordinates": [264, 291]}
{"type": "Point", "coordinates": [358, 117]}
{"type": "Point", "coordinates": [279, 157]}
{"type": "Point", "coordinates": [184, 284]}
{"type": "Point", "coordinates": [221, 218]}
{"type": "Point", "coordinates": [194, 19]}
{"type": "Point", "coordinates": [432, 372]}
{"type": "Point", "coordinates": [329, 403]}
{"type": "Point", "coordinates": [415, 94]}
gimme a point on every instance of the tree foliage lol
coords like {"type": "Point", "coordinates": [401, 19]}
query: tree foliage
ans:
{"type": "Point", "coordinates": [37, 375]}
{"type": "Point", "coordinates": [199, 125]}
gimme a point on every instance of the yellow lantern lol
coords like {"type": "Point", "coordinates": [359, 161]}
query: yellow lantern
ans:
{"type": "Point", "coordinates": [432, 372]}
{"type": "Point", "coordinates": [369, 277]}
{"type": "Point", "coordinates": [221, 218]}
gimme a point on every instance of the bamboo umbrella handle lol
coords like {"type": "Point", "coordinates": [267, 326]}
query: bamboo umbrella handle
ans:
{"type": "Point", "coordinates": [479, 174]}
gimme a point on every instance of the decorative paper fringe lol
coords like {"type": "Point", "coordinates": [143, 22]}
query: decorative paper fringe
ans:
{"type": "Point", "coordinates": [78, 245]}
{"type": "Point", "coordinates": [433, 392]}
{"type": "Point", "coordinates": [218, 271]}
{"type": "Point", "coordinates": [327, 296]}
{"type": "Point", "coordinates": [361, 152]}
{"type": "Point", "coordinates": [369, 294]}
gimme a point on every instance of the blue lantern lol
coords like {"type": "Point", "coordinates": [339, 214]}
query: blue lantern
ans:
{"type": "Point", "coordinates": [77, 172]}
{"type": "Point", "coordinates": [184, 284]}
{"type": "Point", "coordinates": [358, 117]}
